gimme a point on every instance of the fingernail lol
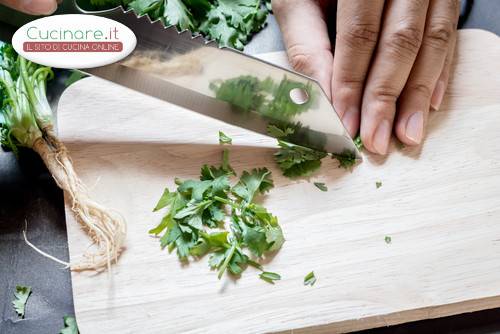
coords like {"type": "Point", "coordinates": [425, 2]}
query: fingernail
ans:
{"type": "Point", "coordinates": [39, 7]}
{"type": "Point", "coordinates": [381, 137]}
{"type": "Point", "coordinates": [415, 127]}
{"type": "Point", "coordinates": [438, 95]}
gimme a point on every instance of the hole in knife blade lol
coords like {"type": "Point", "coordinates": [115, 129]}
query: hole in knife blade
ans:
{"type": "Point", "coordinates": [299, 96]}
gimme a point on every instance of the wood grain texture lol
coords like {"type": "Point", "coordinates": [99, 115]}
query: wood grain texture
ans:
{"type": "Point", "coordinates": [440, 205]}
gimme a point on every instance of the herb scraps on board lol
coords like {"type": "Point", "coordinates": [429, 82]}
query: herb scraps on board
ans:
{"type": "Point", "coordinates": [224, 139]}
{"type": "Point", "coordinates": [229, 22]}
{"type": "Point", "coordinates": [70, 326]}
{"type": "Point", "coordinates": [270, 277]}
{"type": "Point", "coordinates": [216, 217]}
{"type": "Point", "coordinates": [387, 239]}
{"type": "Point", "coordinates": [358, 143]}
{"type": "Point", "coordinates": [310, 279]}
{"type": "Point", "coordinates": [21, 296]}
{"type": "Point", "coordinates": [321, 186]}
{"type": "Point", "coordinates": [378, 184]}
{"type": "Point", "coordinates": [27, 121]}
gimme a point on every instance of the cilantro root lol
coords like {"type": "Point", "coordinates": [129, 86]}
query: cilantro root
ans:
{"type": "Point", "coordinates": [27, 122]}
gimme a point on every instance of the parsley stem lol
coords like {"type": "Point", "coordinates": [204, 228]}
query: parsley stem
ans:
{"type": "Point", "coordinates": [227, 260]}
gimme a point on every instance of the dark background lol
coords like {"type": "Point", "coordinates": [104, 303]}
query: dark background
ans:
{"type": "Point", "coordinates": [28, 193]}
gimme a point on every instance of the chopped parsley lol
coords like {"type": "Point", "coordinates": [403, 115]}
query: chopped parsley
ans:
{"type": "Point", "coordinates": [21, 295]}
{"type": "Point", "coordinates": [321, 186]}
{"type": "Point", "coordinates": [346, 159]}
{"type": "Point", "coordinates": [297, 161]}
{"type": "Point", "coordinates": [224, 139]}
{"type": "Point", "coordinates": [270, 277]}
{"type": "Point", "coordinates": [358, 142]}
{"type": "Point", "coordinates": [388, 239]}
{"type": "Point", "coordinates": [70, 326]}
{"type": "Point", "coordinates": [378, 184]}
{"type": "Point", "coordinates": [199, 211]}
{"type": "Point", "coordinates": [310, 279]}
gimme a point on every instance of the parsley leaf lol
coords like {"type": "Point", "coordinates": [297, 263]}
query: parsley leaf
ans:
{"type": "Point", "coordinates": [70, 326]}
{"type": "Point", "coordinates": [346, 159]}
{"type": "Point", "coordinates": [378, 184]}
{"type": "Point", "coordinates": [270, 277]}
{"type": "Point", "coordinates": [310, 279]}
{"type": "Point", "coordinates": [297, 161]}
{"type": "Point", "coordinates": [258, 180]}
{"type": "Point", "coordinates": [387, 239]}
{"type": "Point", "coordinates": [224, 139]}
{"type": "Point", "coordinates": [358, 142]}
{"type": "Point", "coordinates": [321, 186]}
{"type": "Point", "coordinates": [21, 295]}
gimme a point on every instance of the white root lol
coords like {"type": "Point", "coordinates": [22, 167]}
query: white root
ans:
{"type": "Point", "coordinates": [106, 228]}
{"type": "Point", "coordinates": [39, 251]}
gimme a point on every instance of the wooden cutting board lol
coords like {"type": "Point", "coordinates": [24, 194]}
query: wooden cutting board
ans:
{"type": "Point", "coordinates": [440, 205]}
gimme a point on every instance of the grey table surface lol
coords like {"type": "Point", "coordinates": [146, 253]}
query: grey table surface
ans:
{"type": "Point", "coordinates": [28, 194]}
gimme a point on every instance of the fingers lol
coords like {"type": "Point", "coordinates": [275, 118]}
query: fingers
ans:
{"type": "Point", "coordinates": [305, 34]}
{"type": "Point", "coordinates": [444, 78]}
{"type": "Point", "coordinates": [358, 25]}
{"type": "Point", "coordinates": [34, 7]}
{"type": "Point", "coordinates": [423, 84]}
{"type": "Point", "coordinates": [401, 36]}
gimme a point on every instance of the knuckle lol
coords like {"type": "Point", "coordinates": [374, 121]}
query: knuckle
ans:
{"type": "Point", "coordinates": [300, 58]}
{"type": "Point", "coordinates": [385, 93]}
{"type": "Point", "coordinates": [360, 36]}
{"type": "Point", "coordinates": [421, 89]}
{"type": "Point", "coordinates": [404, 42]}
{"type": "Point", "coordinates": [439, 33]}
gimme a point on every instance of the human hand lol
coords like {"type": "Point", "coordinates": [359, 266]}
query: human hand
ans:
{"type": "Point", "coordinates": [390, 66]}
{"type": "Point", "coordinates": [33, 7]}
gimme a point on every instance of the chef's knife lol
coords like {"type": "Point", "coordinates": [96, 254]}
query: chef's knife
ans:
{"type": "Point", "coordinates": [224, 84]}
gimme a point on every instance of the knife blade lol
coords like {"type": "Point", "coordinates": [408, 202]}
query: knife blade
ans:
{"type": "Point", "coordinates": [225, 84]}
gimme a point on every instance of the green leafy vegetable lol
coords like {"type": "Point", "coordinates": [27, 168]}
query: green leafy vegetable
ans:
{"type": "Point", "coordinates": [270, 277]}
{"type": "Point", "coordinates": [346, 159]}
{"type": "Point", "coordinates": [297, 161]}
{"type": "Point", "coordinates": [358, 142]}
{"type": "Point", "coordinates": [229, 22]}
{"type": "Point", "coordinates": [224, 139]}
{"type": "Point", "coordinates": [21, 295]}
{"type": "Point", "coordinates": [26, 120]}
{"type": "Point", "coordinates": [321, 186]}
{"type": "Point", "coordinates": [310, 279]}
{"type": "Point", "coordinates": [70, 326]}
{"type": "Point", "coordinates": [198, 207]}
{"type": "Point", "coordinates": [388, 239]}
{"type": "Point", "coordinates": [378, 184]}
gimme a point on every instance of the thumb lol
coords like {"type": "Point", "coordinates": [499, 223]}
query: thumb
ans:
{"type": "Point", "coordinates": [33, 7]}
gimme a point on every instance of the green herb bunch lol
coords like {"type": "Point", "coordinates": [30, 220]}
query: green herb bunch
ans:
{"type": "Point", "coordinates": [213, 216]}
{"type": "Point", "coordinates": [230, 22]}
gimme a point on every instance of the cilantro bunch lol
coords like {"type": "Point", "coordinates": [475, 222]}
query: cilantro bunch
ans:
{"type": "Point", "coordinates": [230, 22]}
{"type": "Point", "coordinates": [212, 216]}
